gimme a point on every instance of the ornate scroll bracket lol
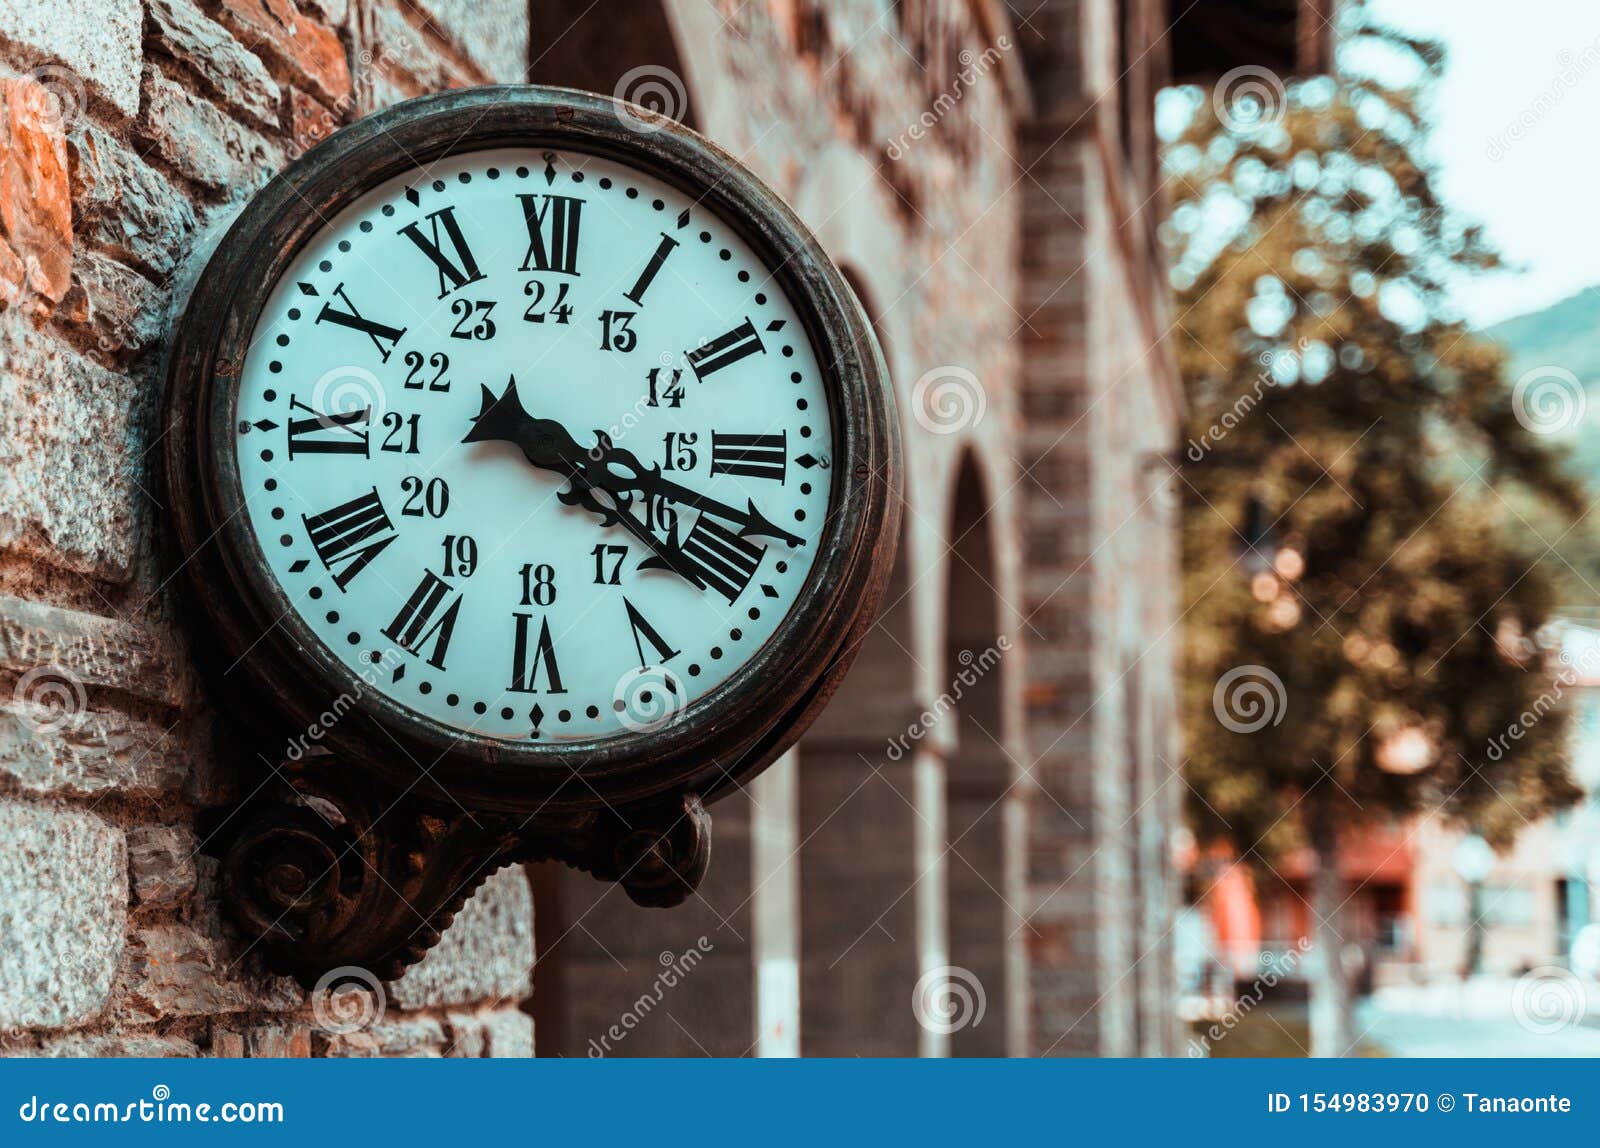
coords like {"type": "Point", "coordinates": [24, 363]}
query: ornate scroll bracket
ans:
{"type": "Point", "coordinates": [322, 872]}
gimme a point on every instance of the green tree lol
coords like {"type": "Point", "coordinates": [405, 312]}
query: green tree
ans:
{"type": "Point", "coordinates": [1362, 595]}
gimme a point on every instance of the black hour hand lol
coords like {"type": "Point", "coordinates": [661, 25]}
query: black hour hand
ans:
{"type": "Point", "coordinates": [545, 442]}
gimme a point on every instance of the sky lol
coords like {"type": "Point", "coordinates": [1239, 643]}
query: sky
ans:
{"type": "Point", "coordinates": [1517, 137]}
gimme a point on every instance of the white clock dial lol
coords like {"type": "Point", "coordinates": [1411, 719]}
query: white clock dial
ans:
{"type": "Point", "coordinates": [535, 444]}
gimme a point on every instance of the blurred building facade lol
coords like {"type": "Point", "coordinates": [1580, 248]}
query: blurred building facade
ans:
{"type": "Point", "coordinates": [985, 811]}
{"type": "Point", "coordinates": [969, 854]}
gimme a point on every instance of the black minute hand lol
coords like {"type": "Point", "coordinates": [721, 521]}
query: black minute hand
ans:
{"type": "Point", "coordinates": [546, 444]}
{"type": "Point", "coordinates": [606, 466]}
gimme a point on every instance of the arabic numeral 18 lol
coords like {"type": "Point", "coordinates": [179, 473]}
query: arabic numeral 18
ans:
{"type": "Point", "coordinates": [538, 584]}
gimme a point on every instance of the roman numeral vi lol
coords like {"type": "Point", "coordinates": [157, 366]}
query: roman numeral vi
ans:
{"type": "Point", "coordinates": [526, 662]}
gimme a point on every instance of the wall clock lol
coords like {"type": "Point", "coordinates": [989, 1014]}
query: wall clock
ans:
{"type": "Point", "coordinates": [534, 478]}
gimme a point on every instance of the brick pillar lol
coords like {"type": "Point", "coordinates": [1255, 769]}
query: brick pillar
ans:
{"type": "Point", "coordinates": [631, 981]}
{"type": "Point", "coordinates": [869, 815]}
{"type": "Point", "coordinates": [860, 951]}
{"type": "Point", "coordinates": [1065, 926]}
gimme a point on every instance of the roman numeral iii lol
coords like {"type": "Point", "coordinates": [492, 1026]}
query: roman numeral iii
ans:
{"type": "Point", "coordinates": [750, 455]}
{"type": "Point", "coordinates": [725, 350]}
{"type": "Point", "coordinates": [552, 232]}
{"type": "Point", "coordinates": [349, 536]}
{"type": "Point", "coordinates": [456, 269]}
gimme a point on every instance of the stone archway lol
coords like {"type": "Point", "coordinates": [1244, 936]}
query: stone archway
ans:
{"type": "Point", "coordinates": [984, 809]}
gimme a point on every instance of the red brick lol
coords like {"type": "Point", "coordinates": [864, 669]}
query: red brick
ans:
{"type": "Point", "coordinates": [311, 51]}
{"type": "Point", "coordinates": [35, 201]}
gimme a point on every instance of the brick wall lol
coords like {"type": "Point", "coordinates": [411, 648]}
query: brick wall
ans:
{"type": "Point", "coordinates": [969, 173]}
{"type": "Point", "coordinates": [128, 130]}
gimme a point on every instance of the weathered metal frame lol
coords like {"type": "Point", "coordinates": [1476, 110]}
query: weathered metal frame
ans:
{"type": "Point", "coordinates": [636, 816]}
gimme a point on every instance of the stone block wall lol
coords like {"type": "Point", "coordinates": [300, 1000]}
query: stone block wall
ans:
{"type": "Point", "coordinates": [1103, 397]}
{"type": "Point", "coordinates": [128, 130]}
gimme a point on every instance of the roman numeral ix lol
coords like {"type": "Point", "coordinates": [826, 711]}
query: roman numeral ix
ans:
{"type": "Point", "coordinates": [343, 432]}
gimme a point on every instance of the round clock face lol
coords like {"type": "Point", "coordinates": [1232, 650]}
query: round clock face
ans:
{"type": "Point", "coordinates": [534, 444]}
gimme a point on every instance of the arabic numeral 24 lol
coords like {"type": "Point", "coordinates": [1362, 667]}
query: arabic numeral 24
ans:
{"type": "Point", "coordinates": [559, 310]}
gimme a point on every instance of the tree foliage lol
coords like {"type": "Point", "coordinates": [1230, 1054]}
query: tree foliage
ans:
{"type": "Point", "coordinates": [1356, 482]}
